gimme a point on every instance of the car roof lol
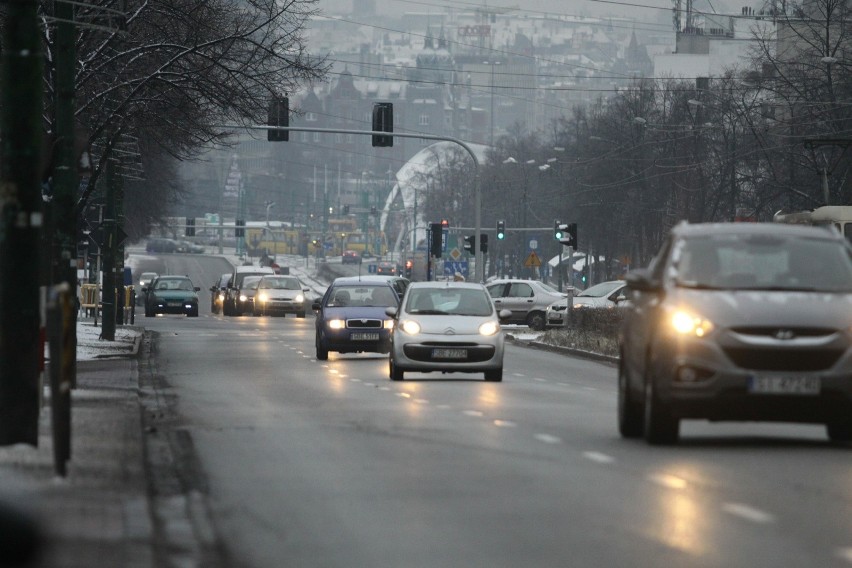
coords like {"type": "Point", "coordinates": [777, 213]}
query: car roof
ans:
{"type": "Point", "coordinates": [173, 277]}
{"type": "Point", "coordinates": [446, 284]}
{"type": "Point", "coordinates": [367, 278]}
{"type": "Point", "coordinates": [777, 229]}
{"type": "Point", "coordinates": [254, 269]}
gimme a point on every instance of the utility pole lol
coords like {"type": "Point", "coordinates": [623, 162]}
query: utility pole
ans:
{"type": "Point", "coordinates": [20, 224]}
{"type": "Point", "coordinates": [108, 252]}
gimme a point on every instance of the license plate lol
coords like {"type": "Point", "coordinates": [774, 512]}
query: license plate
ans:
{"type": "Point", "coordinates": [449, 354]}
{"type": "Point", "coordinates": [364, 337]}
{"type": "Point", "coordinates": [784, 385]}
{"type": "Point", "coordinates": [173, 304]}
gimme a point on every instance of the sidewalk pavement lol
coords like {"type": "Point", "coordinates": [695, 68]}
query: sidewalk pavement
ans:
{"type": "Point", "coordinates": [99, 514]}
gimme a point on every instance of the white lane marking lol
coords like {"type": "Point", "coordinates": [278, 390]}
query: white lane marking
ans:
{"type": "Point", "coordinates": [474, 413]}
{"type": "Point", "coordinates": [518, 375]}
{"type": "Point", "coordinates": [540, 380]}
{"type": "Point", "coordinates": [403, 395]}
{"type": "Point", "coordinates": [384, 388]}
{"type": "Point", "coordinates": [208, 335]}
{"type": "Point", "coordinates": [668, 480]}
{"type": "Point", "coordinates": [444, 406]}
{"type": "Point", "coordinates": [598, 457]}
{"type": "Point", "coordinates": [564, 384]}
{"type": "Point", "coordinates": [747, 512]}
{"type": "Point", "coordinates": [548, 439]}
{"type": "Point", "coordinates": [845, 554]}
{"type": "Point", "coordinates": [504, 423]}
{"type": "Point", "coordinates": [355, 380]}
{"type": "Point", "coordinates": [367, 384]}
{"type": "Point", "coordinates": [334, 371]}
{"type": "Point", "coordinates": [421, 401]}
{"type": "Point", "coordinates": [590, 388]}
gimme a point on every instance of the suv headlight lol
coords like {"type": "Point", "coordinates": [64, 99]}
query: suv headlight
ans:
{"type": "Point", "coordinates": [687, 323]}
{"type": "Point", "coordinates": [489, 328]}
{"type": "Point", "coordinates": [336, 324]}
{"type": "Point", "coordinates": [243, 297]}
{"type": "Point", "coordinates": [410, 327]}
{"type": "Point", "coordinates": [263, 297]}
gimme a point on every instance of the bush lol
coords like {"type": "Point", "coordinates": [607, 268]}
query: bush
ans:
{"type": "Point", "coordinates": [593, 330]}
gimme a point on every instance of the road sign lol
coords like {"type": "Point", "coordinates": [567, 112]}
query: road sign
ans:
{"type": "Point", "coordinates": [532, 260]}
{"type": "Point", "coordinates": [455, 253]}
{"type": "Point", "coordinates": [532, 243]}
{"type": "Point", "coordinates": [453, 266]}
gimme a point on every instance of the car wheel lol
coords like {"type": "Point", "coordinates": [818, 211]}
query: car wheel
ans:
{"type": "Point", "coordinates": [322, 352]}
{"type": "Point", "coordinates": [839, 433]}
{"type": "Point", "coordinates": [226, 308]}
{"type": "Point", "coordinates": [494, 375]}
{"type": "Point", "coordinates": [300, 315]}
{"type": "Point", "coordinates": [193, 313]}
{"type": "Point", "coordinates": [396, 374]}
{"type": "Point", "coordinates": [661, 428]}
{"type": "Point", "coordinates": [536, 321]}
{"type": "Point", "coordinates": [148, 313]}
{"type": "Point", "coordinates": [630, 423]}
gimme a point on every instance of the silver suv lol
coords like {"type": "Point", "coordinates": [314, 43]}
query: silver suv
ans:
{"type": "Point", "coordinates": [526, 299]}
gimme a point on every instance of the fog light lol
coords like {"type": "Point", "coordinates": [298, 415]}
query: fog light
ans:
{"type": "Point", "coordinates": [686, 374]}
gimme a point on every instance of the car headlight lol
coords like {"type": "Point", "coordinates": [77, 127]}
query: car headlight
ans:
{"type": "Point", "coordinates": [243, 297]}
{"type": "Point", "coordinates": [687, 323]}
{"type": "Point", "coordinates": [387, 324]}
{"type": "Point", "coordinates": [300, 298]}
{"type": "Point", "coordinates": [410, 327]}
{"type": "Point", "coordinates": [580, 305]}
{"type": "Point", "coordinates": [222, 297]}
{"type": "Point", "coordinates": [336, 324]}
{"type": "Point", "coordinates": [263, 297]}
{"type": "Point", "coordinates": [489, 328]}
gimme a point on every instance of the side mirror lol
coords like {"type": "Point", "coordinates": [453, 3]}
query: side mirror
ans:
{"type": "Point", "coordinates": [198, 288]}
{"type": "Point", "coordinates": [391, 311]}
{"type": "Point", "coordinates": [641, 280]}
{"type": "Point", "coordinates": [145, 289]}
{"type": "Point", "coordinates": [212, 288]}
{"type": "Point", "coordinates": [504, 314]}
{"type": "Point", "coordinates": [316, 306]}
{"type": "Point", "coordinates": [306, 289]}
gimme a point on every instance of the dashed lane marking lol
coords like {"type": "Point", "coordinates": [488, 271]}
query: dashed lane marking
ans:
{"type": "Point", "coordinates": [403, 395]}
{"type": "Point", "coordinates": [548, 439]}
{"type": "Point", "coordinates": [598, 457]}
{"type": "Point", "coordinates": [444, 406]}
{"type": "Point", "coordinates": [667, 480]}
{"type": "Point", "coordinates": [504, 423]}
{"type": "Point", "coordinates": [355, 380]}
{"type": "Point", "coordinates": [474, 413]}
{"type": "Point", "coordinates": [845, 554]}
{"type": "Point", "coordinates": [421, 401]}
{"type": "Point", "coordinates": [540, 380]}
{"type": "Point", "coordinates": [518, 375]}
{"type": "Point", "coordinates": [384, 388]}
{"type": "Point", "coordinates": [748, 513]}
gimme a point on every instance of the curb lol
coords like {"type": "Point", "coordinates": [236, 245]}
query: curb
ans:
{"type": "Point", "coordinates": [564, 350]}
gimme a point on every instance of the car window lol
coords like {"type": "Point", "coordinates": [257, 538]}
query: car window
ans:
{"type": "Point", "coordinates": [496, 290]}
{"type": "Point", "coordinates": [364, 295]}
{"type": "Point", "coordinates": [549, 289]}
{"type": "Point", "coordinates": [520, 290]}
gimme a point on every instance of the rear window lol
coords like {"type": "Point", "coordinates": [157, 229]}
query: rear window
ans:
{"type": "Point", "coordinates": [364, 295]}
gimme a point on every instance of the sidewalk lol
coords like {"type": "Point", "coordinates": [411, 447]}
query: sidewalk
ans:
{"type": "Point", "coordinates": [98, 515]}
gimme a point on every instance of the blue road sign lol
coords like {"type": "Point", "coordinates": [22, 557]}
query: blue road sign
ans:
{"type": "Point", "coordinates": [453, 266]}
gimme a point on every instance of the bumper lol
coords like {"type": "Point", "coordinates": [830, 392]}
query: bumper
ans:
{"type": "Point", "coordinates": [463, 354]}
{"type": "Point", "coordinates": [281, 307]}
{"type": "Point", "coordinates": [556, 318]}
{"type": "Point", "coordinates": [725, 391]}
{"type": "Point", "coordinates": [163, 308]}
{"type": "Point", "coordinates": [348, 341]}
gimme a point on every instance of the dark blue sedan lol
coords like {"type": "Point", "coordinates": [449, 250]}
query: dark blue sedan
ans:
{"type": "Point", "coordinates": [351, 317]}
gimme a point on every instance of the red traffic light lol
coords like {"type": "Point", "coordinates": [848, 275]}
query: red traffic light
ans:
{"type": "Point", "coordinates": [445, 223]}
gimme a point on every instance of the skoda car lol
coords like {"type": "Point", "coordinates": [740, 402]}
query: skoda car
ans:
{"type": "Point", "coordinates": [171, 295]}
{"type": "Point", "coordinates": [280, 295]}
{"type": "Point", "coordinates": [449, 327]}
{"type": "Point", "coordinates": [351, 316]}
{"type": "Point", "coordinates": [741, 322]}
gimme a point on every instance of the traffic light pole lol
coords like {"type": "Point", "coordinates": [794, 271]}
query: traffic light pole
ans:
{"type": "Point", "coordinates": [479, 276]}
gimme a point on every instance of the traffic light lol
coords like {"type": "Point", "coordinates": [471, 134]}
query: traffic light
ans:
{"type": "Point", "coordinates": [558, 229]}
{"type": "Point", "coordinates": [436, 239]}
{"type": "Point", "coordinates": [382, 122]}
{"type": "Point", "coordinates": [279, 115]}
{"type": "Point", "coordinates": [373, 210]}
{"type": "Point", "coordinates": [190, 226]}
{"type": "Point", "coordinates": [501, 230]}
{"type": "Point", "coordinates": [346, 210]}
{"type": "Point", "coordinates": [570, 239]}
{"type": "Point", "coordinates": [409, 264]}
{"type": "Point", "coordinates": [470, 244]}
{"type": "Point", "coordinates": [239, 228]}
{"type": "Point", "coordinates": [445, 224]}
{"type": "Point", "coordinates": [483, 243]}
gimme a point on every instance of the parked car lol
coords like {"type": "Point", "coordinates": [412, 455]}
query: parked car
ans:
{"type": "Point", "coordinates": [739, 321]}
{"type": "Point", "coordinates": [603, 295]}
{"type": "Point", "coordinates": [447, 326]}
{"type": "Point", "coordinates": [526, 299]}
{"type": "Point", "coordinates": [350, 257]}
{"type": "Point", "coordinates": [217, 292]}
{"type": "Point", "coordinates": [158, 244]}
{"type": "Point", "coordinates": [144, 279]}
{"type": "Point", "coordinates": [351, 316]}
{"type": "Point", "coordinates": [280, 295]}
{"type": "Point", "coordinates": [230, 306]}
{"type": "Point", "coordinates": [171, 295]}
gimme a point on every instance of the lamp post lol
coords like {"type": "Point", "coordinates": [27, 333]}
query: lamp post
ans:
{"type": "Point", "coordinates": [491, 120]}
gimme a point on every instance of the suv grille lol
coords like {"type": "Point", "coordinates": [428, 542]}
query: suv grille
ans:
{"type": "Point", "coordinates": [783, 360]}
{"type": "Point", "coordinates": [364, 323]}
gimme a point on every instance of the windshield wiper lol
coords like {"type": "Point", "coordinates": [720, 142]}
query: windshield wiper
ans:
{"type": "Point", "coordinates": [430, 312]}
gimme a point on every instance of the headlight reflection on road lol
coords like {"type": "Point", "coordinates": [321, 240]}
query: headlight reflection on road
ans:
{"type": "Point", "coordinates": [489, 395]}
{"type": "Point", "coordinates": [681, 523]}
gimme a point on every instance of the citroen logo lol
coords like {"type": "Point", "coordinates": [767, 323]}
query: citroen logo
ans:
{"type": "Point", "coordinates": [784, 334]}
{"type": "Point", "coordinates": [449, 331]}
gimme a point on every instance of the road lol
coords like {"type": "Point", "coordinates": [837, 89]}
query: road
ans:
{"type": "Point", "coordinates": [331, 464]}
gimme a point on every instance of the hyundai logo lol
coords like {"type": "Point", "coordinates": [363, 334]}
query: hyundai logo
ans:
{"type": "Point", "coordinates": [784, 334]}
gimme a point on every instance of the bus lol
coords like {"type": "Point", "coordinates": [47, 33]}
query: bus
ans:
{"type": "Point", "coordinates": [840, 216]}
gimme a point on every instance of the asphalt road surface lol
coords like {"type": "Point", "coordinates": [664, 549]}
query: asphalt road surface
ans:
{"type": "Point", "coordinates": [331, 464]}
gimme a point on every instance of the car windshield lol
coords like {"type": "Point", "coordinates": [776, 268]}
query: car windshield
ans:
{"type": "Point", "coordinates": [366, 295]}
{"type": "Point", "coordinates": [280, 284]}
{"type": "Point", "coordinates": [250, 283]}
{"type": "Point", "coordinates": [174, 284]}
{"type": "Point", "coordinates": [548, 288]}
{"type": "Point", "coordinates": [449, 301]}
{"type": "Point", "coordinates": [600, 290]}
{"type": "Point", "coordinates": [763, 262]}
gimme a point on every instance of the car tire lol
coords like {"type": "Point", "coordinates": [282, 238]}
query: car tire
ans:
{"type": "Point", "coordinates": [396, 374]}
{"type": "Point", "coordinates": [322, 351]}
{"type": "Point", "coordinates": [301, 315]}
{"type": "Point", "coordinates": [226, 308]}
{"type": "Point", "coordinates": [149, 313]}
{"type": "Point", "coordinates": [192, 313]}
{"type": "Point", "coordinates": [661, 428]}
{"type": "Point", "coordinates": [630, 419]}
{"type": "Point", "coordinates": [839, 432]}
{"type": "Point", "coordinates": [536, 321]}
{"type": "Point", "coordinates": [494, 375]}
